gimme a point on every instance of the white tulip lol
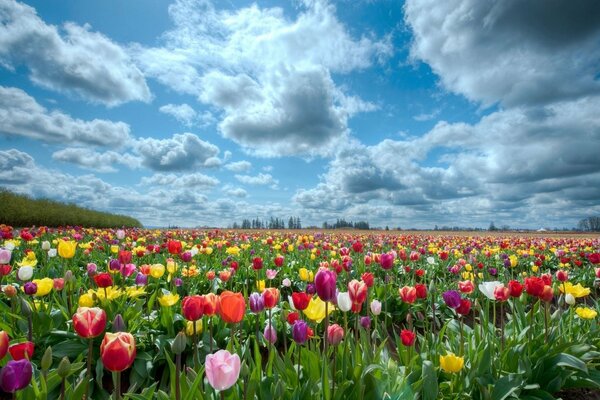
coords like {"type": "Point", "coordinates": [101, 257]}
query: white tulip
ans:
{"type": "Point", "coordinates": [45, 245]}
{"type": "Point", "coordinates": [25, 273]}
{"type": "Point", "coordinates": [570, 299]}
{"type": "Point", "coordinates": [487, 288]}
{"type": "Point", "coordinates": [343, 301]}
{"type": "Point", "coordinates": [52, 253]}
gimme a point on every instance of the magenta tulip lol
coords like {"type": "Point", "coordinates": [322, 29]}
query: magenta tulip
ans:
{"type": "Point", "coordinates": [15, 375]}
{"type": "Point", "coordinates": [325, 282]}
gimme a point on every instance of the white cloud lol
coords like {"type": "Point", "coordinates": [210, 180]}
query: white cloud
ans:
{"type": "Point", "coordinates": [181, 181]}
{"type": "Point", "coordinates": [75, 60]}
{"type": "Point", "coordinates": [270, 75]}
{"type": "Point", "coordinates": [181, 152]}
{"type": "Point", "coordinates": [496, 52]}
{"type": "Point", "coordinates": [95, 161]}
{"type": "Point", "coordinates": [260, 179]}
{"type": "Point", "coordinates": [22, 115]}
{"type": "Point", "coordinates": [239, 166]}
{"type": "Point", "coordinates": [234, 191]}
{"type": "Point", "coordinates": [187, 116]}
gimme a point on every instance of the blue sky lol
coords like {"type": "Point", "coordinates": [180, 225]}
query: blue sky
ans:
{"type": "Point", "coordinates": [410, 114]}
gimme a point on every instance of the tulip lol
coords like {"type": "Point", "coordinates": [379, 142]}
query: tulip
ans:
{"type": "Point", "coordinates": [300, 331]}
{"type": "Point", "coordinates": [376, 307]}
{"type": "Point", "coordinates": [451, 363]}
{"type": "Point", "coordinates": [451, 298]}
{"type": "Point", "coordinates": [547, 293]}
{"type": "Point", "coordinates": [270, 333]}
{"type": "Point", "coordinates": [344, 302]}
{"type": "Point", "coordinates": [157, 271]}
{"type": "Point", "coordinates": [174, 246]}
{"type": "Point", "coordinates": [570, 299]}
{"type": "Point", "coordinates": [30, 288]}
{"type": "Point", "coordinates": [368, 278]}
{"type": "Point", "coordinates": [271, 273]}
{"type": "Point", "coordinates": [300, 300]}
{"type": "Point", "coordinates": [292, 317]}
{"type": "Point", "coordinates": [586, 313]}
{"type": "Point", "coordinates": [21, 351]}
{"type": "Point", "coordinates": [66, 249]}
{"type": "Point", "coordinates": [325, 282]}
{"type": "Point", "coordinates": [270, 297]}
{"type": "Point", "coordinates": [466, 287]}
{"type": "Point", "coordinates": [257, 263]}
{"type": "Point", "coordinates": [515, 288]}
{"type": "Point", "coordinates": [487, 288]}
{"type": "Point", "coordinates": [407, 337]}
{"type": "Point", "coordinates": [192, 307]}
{"type": "Point", "coordinates": [386, 261]}
{"type": "Point", "coordinates": [357, 291]}
{"type": "Point", "coordinates": [534, 286]}
{"type": "Point", "coordinates": [286, 282]}
{"type": "Point", "coordinates": [408, 294]}
{"type": "Point", "coordinates": [25, 273]}
{"type": "Point", "coordinates": [222, 369]}
{"type": "Point", "coordinates": [257, 304]}
{"type": "Point", "coordinates": [141, 279]}
{"type": "Point", "coordinates": [118, 351]}
{"type": "Point", "coordinates": [365, 321]}
{"type": "Point", "coordinates": [103, 280]}
{"type": "Point", "coordinates": [3, 344]}
{"type": "Point", "coordinates": [15, 375]}
{"type": "Point", "coordinates": [211, 303]}
{"type": "Point", "coordinates": [44, 286]}
{"type": "Point", "coordinates": [501, 293]}
{"type": "Point", "coordinates": [5, 256]}
{"type": "Point", "coordinates": [168, 299]}
{"type": "Point", "coordinates": [465, 307]}
{"type": "Point", "coordinates": [335, 334]}
{"type": "Point", "coordinates": [562, 276]}
{"type": "Point", "coordinates": [89, 322]}
{"type": "Point", "coordinates": [231, 307]}
{"type": "Point", "coordinates": [421, 290]}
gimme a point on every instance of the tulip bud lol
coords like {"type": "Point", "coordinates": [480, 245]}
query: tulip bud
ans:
{"type": "Point", "coordinates": [46, 362]}
{"type": "Point", "coordinates": [570, 299]}
{"type": "Point", "coordinates": [10, 291]}
{"type": "Point", "coordinates": [270, 334]}
{"type": "Point", "coordinates": [69, 277]}
{"type": "Point", "coordinates": [118, 324]}
{"type": "Point", "coordinates": [64, 368]}
{"type": "Point", "coordinates": [365, 321]}
{"type": "Point", "coordinates": [30, 288]}
{"type": "Point", "coordinates": [25, 308]}
{"type": "Point", "coordinates": [179, 344]}
{"type": "Point", "coordinates": [45, 245]}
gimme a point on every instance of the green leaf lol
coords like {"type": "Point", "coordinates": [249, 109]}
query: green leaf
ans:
{"type": "Point", "coordinates": [506, 386]}
{"type": "Point", "coordinates": [430, 381]}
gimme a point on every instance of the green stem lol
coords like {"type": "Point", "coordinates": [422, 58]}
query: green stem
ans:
{"type": "Point", "coordinates": [89, 367]}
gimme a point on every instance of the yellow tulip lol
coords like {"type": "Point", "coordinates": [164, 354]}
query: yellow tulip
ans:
{"type": "Point", "coordinates": [168, 299]}
{"type": "Point", "coordinates": [586, 313]}
{"type": "Point", "coordinates": [28, 261]}
{"type": "Point", "coordinates": [576, 290]}
{"type": "Point", "coordinates": [114, 249]}
{"type": "Point", "coordinates": [157, 270]}
{"type": "Point", "coordinates": [110, 293]}
{"type": "Point", "coordinates": [513, 260]}
{"type": "Point", "coordinates": [234, 250]}
{"type": "Point", "coordinates": [44, 286]}
{"type": "Point", "coordinates": [260, 285]}
{"type": "Point", "coordinates": [86, 300]}
{"type": "Point", "coordinates": [451, 363]}
{"type": "Point", "coordinates": [316, 310]}
{"type": "Point", "coordinates": [189, 328]}
{"type": "Point", "coordinates": [66, 248]}
{"type": "Point", "coordinates": [171, 266]}
{"type": "Point", "coordinates": [135, 291]}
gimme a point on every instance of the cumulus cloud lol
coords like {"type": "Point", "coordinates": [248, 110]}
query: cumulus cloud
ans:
{"type": "Point", "coordinates": [271, 76]}
{"type": "Point", "coordinates": [181, 152]}
{"type": "Point", "coordinates": [187, 116]}
{"type": "Point", "coordinates": [513, 52]}
{"type": "Point", "coordinates": [22, 115]}
{"type": "Point", "coordinates": [260, 179]}
{"type": "Point", "coordinates": [96, 161]}
{"type": "Point", "coordinates": [72, 59]}
{"type": "Point", "coordinates": [234, 191]}
{"type": "Point", "coordinates": [239, 166]}
{"type": "Point", "coordinates": [181, 181]}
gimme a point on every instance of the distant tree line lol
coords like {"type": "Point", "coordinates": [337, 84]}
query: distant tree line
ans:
{"type": "Point", "coordinates": [342, 223]}
{"type": "Point", "coordinates": [590, 224]}
{"type": "Point", "coordinates": [271, 223]}
{"type": "Point", "coordinates": [22, 211]}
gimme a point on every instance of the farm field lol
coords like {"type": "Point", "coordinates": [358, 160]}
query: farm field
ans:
{"type": "Point", "coordinates": [211, 314]}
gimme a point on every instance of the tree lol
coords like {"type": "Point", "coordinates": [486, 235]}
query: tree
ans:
{"type": "Point", "coordinates": [492, 227]}
{"type": "Point", "coordinates": [590, 224]}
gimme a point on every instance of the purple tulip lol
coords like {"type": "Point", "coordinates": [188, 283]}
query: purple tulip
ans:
{"type": "Point", "coordinates": [30, 288]}
{"type": "Point", "coordinates": [114, 265]}
{"type": "Point", "coordinates": [257, 304]}
{"type": "Point", "coordinates": [365, 322]}
{"type": "Point", "coordinates": [452, 298]}
{"type": "Point", "coordinates": [15, 375]}
{"type": "Point", "coordinates": [92, 269]}
{"type": "Point", "coordinates": [186, 257]}
{"type": "Point", "coordinates": [494, 271]}
{"type": "Point", "coordinates": [178, 282]}
{"type": "Point", "coordinates": [325, 283]}
{"type": "Point", "coordinates": [300, 331]}
{"type": "Point", "coordinates": [270, 334]}
{"type": "Point", "coordinates": [141, 279]}
{"type": "Point", "coordinates": [310, 288]}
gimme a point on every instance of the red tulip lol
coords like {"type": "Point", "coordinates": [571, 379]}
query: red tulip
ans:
{"type": "Point", "coordinates": [357, 247]}
{"type": "Point", "coordinates": [118, 351]}
{"type": "Point", "coordinates": [357, 291]}
{"type": "Point", "coordinates": [270, 297]}
{"type": "Point", "coordinates": [534, 286]}
{"type": "Point", "coordinates": [335, 334]}
{"type": "Point", "coordinates": [465, 307]}
{"type": "Point", "coordinates": [231, 307]}
{"type": "Point", "coordinates": [20, 351]}
{"type": "Point", "coordinates": [421, 290]}
{"type": "Point", "coordinates": [103, 280]}
{"type": "Point", "coordinates": [3, 344]}
{"type": "Point", "coordinates": [300, 300]}
{"type": "Point", "coordinates": [407, 337]}
{"type": "Point", "coordinates": [174, 246]}
{"type": "Point", "coordinates": [368, 279]}
{"type": "Point", "coordinates": [515, 288]}
{"type": "Point", "coordinates": [89, 322]}
{"type": "Point", "coordinates": [192, 307]}
{"type": "Point", "coordinates": [257, 263]}
{"type": "Point", "coordinates": [125, 257]}
{"type": "Point", "coordinates": [501, 293]}
{"type": "Point", "coordinates": [466, 287]}
{"type": "Point", "coordinates": [562, 276]}
{"type": "Point", "coordinates": [292, 318]}
{"type": "Point", "coordinates": [408, 294]}
{"type": "Point", "coordinates": [547, 293]}
{"type": "Point", "coordinates": [278, 261]}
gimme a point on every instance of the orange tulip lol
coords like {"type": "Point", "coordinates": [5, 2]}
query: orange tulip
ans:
{"type": "Point", "coordinates": [232, 307]}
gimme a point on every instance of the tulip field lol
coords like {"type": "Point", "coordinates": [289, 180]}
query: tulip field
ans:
{"type": "Point", "coordinates": [217, 314]}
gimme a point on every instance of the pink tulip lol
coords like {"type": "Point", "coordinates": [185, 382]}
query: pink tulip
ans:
{"type": "Point", "coordinates": [222, 369]}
